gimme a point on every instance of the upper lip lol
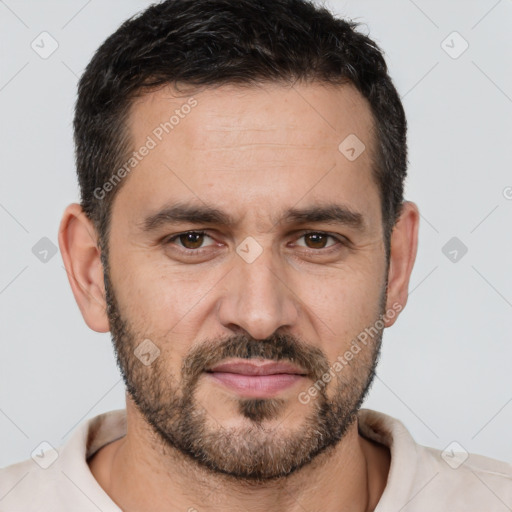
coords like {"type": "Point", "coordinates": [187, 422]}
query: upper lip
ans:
{"type": "Point", "coordinates": [254, 367]}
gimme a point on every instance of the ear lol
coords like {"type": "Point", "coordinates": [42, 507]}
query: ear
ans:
{"type": "Point", "coordinates": [404, 244]}
{"type": "Point", "coordinates": [78, 244]}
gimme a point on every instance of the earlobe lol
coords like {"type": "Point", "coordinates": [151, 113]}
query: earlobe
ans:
{"type": "Point", "coordinates": [81, 256]}
{"type": "Point", "coordinates": [404, 245]}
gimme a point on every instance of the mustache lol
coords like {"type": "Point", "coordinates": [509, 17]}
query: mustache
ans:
{"type": "Point", "coordinates": [278, 347]}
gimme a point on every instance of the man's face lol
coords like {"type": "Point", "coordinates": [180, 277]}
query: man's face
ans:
{"type": "Point", "coordinates": [256, 288]}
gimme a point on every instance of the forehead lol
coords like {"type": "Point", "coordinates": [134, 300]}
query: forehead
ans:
{"type": "Point", "coordinates": [307, 114]}
{"type": "Point", "coordinates": [229, 146]}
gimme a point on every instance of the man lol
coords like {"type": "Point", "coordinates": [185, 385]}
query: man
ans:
{"type": "Point", "coordinates": [242, 234]}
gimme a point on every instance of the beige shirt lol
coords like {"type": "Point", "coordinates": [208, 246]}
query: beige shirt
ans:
{"type": "Point", "coordinates": [421, 479]}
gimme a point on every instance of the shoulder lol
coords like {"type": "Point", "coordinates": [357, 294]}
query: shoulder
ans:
{"type": "Point", "coordinates": [458, 481]}
{"type": "Point", "coordinates": [26, 484]}
{"type": "Point", "coordinates": [469, 478]}
{"type": "Point", "coordinates": [56, 479]}
{"type": "Point", "coordinates": [422, 478]}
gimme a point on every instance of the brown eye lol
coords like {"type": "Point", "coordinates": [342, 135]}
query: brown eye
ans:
{"type": "Point", "coordinates": [190, 240]}
{"type": "Point", "coordinates": [316, 240]}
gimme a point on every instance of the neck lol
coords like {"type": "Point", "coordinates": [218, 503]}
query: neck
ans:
{"type": "Point", "coordinates": [139, 473]}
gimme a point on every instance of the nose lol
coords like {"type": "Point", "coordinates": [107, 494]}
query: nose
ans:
{"type": "Point", "coordinates": [257, 298]}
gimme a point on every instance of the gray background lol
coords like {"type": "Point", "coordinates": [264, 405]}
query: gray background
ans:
{"type": "Point", "coordinates": [445, 367]}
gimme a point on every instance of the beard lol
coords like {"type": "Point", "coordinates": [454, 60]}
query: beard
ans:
{"type": "Point", "coordinates": [262, 449]}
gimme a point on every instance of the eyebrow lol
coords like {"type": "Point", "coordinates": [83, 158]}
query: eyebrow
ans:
{"type": "Point", "coordinates": [330, 213]}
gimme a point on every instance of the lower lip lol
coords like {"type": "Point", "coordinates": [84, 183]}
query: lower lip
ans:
{"type": "Point", "coordinates": [256, 386]}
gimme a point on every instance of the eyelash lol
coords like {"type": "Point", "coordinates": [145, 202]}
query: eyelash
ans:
{"type": "Point", "coordinates": [341, 242]}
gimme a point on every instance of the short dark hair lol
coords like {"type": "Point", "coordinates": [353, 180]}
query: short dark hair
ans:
{"type": "Point", "coordinates": [214, 42]}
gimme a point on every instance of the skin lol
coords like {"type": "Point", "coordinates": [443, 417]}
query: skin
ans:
{"type": "Point", "coordinates": [251, 152]}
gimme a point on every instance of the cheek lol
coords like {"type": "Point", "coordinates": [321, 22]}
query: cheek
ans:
{"type": "Point", "coordinates": [345, 300]}
{"type": "Point", "coordinates": [342, 309]}
{"type": "Point", "coordinates": [163, 299]}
